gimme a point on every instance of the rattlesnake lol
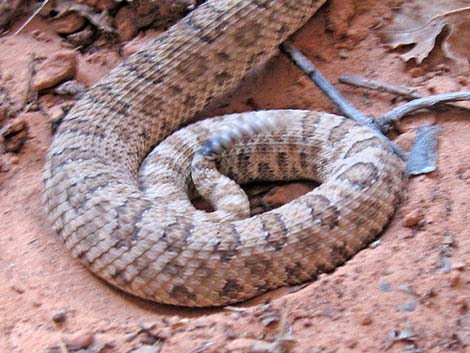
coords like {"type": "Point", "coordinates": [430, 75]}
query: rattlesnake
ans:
{"type": "Point", "coordinates": [130, 220]}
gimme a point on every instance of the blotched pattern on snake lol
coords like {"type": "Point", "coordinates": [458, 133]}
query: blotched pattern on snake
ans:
{"type": "Point", "coordinates": [124, 209]}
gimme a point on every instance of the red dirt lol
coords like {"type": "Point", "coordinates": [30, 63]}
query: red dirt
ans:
{"type": "Point", "coordinates": [417, 277]}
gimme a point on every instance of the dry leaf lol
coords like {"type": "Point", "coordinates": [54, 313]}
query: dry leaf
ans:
{"type": "Point", "coordinates": [419, 22]}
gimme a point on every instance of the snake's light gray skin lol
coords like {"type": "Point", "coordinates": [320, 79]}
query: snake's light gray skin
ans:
{"type": "Point", "coordinates": [127, 215]}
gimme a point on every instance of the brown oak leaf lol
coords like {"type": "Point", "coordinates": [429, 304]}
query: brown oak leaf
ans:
{"type": "Point", "coordinates": [419, 22]}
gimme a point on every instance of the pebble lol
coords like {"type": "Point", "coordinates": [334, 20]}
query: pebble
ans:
{"type": "Point", "coordinates": [18, 289]}
{"type": "Point", "coordinates": [14, 160]}
{"type": "Point", "coordinates": [351, 343]}
{"type": "Point", "coordinates": [366, 320]}
{"type": "Point", "coordinates": [417, 71]}
{"type": "Point", "coordinates": [413, 218]}
{"type": "Point", "coordinates": [125, 23]}
{"type": "Point", "coordinates": [385, 286]}
{"type": "Point", "coordinates": [14, 135]}
{"type": "Point", "coordinates": [3, 113]}
{"type": "Point", "coordinates": [463, 330]}
{"type": "Point", "coordinates": [408, 306]}
{"type": "Point", "coordinates": [57, 68]}
{"type": "Point", "coordinates": [343, 54]}
{"type": "Point", "coordinates": [83, 340]}
{"type": "Point", "coordinates": [405, 288]}
{"type": "Point", "coordinates": [146, 349]}
{"type": "Point", "coordinates": [68, 23]}
{"type": "Point", "coordinates": [454, 279]}
{"type": "Point", "coordinates": [462, 80]}
{"type": "Point", "coordinates": [3, 166]}
{"type": "Point", "coordinates": [81, 38]}
{"type": "Point", "coordinates": [459, 266]}
{"type": "Point", "coordinates": [72, 87]}
{"type": "Point", "coordinates": [462, 303]}
{"type": "Point", "coordinates": [59, 317]}
{"type": "Point", "coordinates": [56, 114]}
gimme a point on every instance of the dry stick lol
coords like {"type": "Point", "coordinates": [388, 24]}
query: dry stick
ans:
{"type": "Point", "coordinates": [408, 93]}
{"type": "Point", "coordinates": [38, 10]}
{"type": "Point", "coordinates": [356, 81]}
{"type": "Point", "coordinates": [346, 108]}
{"type": "Point", "coordinates": [399, 112]}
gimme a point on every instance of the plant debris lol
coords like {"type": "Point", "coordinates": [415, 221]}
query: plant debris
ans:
{"type": "Point", "coordinates": [420, 22]}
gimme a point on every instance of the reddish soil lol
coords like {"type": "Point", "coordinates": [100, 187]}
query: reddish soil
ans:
{"type": "Point", "coordinates": [408, 293]}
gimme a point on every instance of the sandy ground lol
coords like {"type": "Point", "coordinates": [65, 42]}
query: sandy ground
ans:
{"type": "Point", "coordinates": [408, 293]}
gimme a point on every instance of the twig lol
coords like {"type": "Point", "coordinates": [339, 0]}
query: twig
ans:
{"type": "Point", "coordinates": [38, 10]}
{"type": "Point", "coordinates": [356, 81]}
{"type": "Point", "coordinates": [396, 114]}
{"type": "Point", "coordinates": [346, 108]}
{"type": "Point", "coordinates": [408, 93]}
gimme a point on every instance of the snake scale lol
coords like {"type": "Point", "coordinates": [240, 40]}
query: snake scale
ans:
{"type": "Point", "coordinates": [117, 178]}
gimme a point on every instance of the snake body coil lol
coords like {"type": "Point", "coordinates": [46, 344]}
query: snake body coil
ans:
{"type": "Point", "coordinates": [125, 212]}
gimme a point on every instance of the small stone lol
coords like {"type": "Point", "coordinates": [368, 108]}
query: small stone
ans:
{"type": "Point", "coordinates": [442, 67]}
{"type": "Point", "coordinates": [83, 340]}
{"type": "Point", "coordinates": [81, 38]}
{"type": "Point", "coordinates": [147, 326]}
{"type": "Point", "coordinates": [56, 114]}
{"type": "Point", "coordinates": [68, 23]}
{"type": "Point", "coordinates": [72, 88]}
{"type": "Point", "coordinates": [408, 306]}
{"type": "Point", "coordinates": [351, 343]}
{"type": "Point", "coordinates": [36, 302]}
{"type": "Point", "coordinates": [14, 135]}
{"type": "Point", "coordinates": [18, 289]}
{"type": "Point", "coordinates": [462, 80]}
{"type": "Point", "coordinates": [146, 349]}
{"type": "Point", "coordinates": [59, 67]}
{"type": "Point", "coordinates": [343, 54]}
{"type": "Point", "coordinates": [385, 286]}
{"type": "Point", "coordinates": [417, 71]}
{"type": "Point", "coordinates": [59, 317]}
{"type": "Point", "coordinates": [366, 320]}
{"type": "Point", "coordinates": [406, 288]}
{"type": "Point", "coordinates": [408, 333]}
{"type": "Point", "coordinates": [14, 159]}
{"type": "Point", "coordinates": [126, 23]}
{"type": "Point", "coordinates": [454, 279]}
{"type": "Point", "coordinates": [3, 165]}
{"type": "Point", "coordinates": [412, 218]}
{"type": "Point", "coordinates": [375, 244]}
{"type": "Point", "coordinates": [463, 330]}
{"type": "Point", "coordinates": [462, 303]}
{"type": "Point", "coordinates": [459, 266]}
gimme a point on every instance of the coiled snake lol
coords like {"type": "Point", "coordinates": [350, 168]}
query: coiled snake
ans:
{"type": "Point", "coordinates": [126, 213]}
